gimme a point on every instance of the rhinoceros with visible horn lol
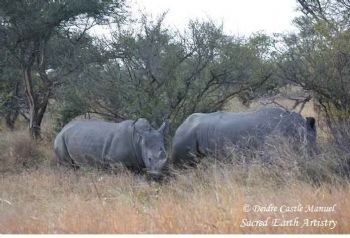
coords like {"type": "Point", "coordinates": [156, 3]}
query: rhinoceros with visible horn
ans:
{"type": "Point", "coordinates": [133, 144]}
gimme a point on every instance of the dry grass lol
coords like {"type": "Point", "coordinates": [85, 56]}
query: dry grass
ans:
{"type": "Point", "coordinates": [19, 151]}
{"type": "Point", "coordinates": [206, 200]}
{"type": "Point", "coordinates": [38, 198]}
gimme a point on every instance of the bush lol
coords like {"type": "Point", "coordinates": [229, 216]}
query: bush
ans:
{"type": "Point", "coordinates": [156, 73]}
{"type": "Point", "coordinates": [18, 152]}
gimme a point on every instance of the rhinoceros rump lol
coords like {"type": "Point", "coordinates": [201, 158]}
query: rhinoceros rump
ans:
{"type": "Point", "coordinates": [133, 144]}
{"type": "Point", "coordinates": [203, 133]}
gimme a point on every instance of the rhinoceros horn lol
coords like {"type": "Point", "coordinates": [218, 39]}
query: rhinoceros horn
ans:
{"type": "Point", "coordinates": [163, 129]}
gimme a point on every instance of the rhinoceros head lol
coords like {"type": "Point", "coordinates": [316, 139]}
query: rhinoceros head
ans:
{"type": "Point", "coordinates": [151, 142]}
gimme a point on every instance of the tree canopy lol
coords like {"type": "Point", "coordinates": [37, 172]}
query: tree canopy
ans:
{"type": "Point", "coordinates": [27, 28]}
{"type": "Point", "coordinates": [144, 69]}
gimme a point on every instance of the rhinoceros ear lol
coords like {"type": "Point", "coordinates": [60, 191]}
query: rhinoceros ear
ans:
{"type": "Point", "coordinates": [163, 129]}
{"type": "Point", "coordinates": [141, 125]}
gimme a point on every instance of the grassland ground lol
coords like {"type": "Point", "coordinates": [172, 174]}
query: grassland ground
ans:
{"type": "Point", "coordinates": [38, 197]}
{"type": "Point", "coordinates": [205, 200]}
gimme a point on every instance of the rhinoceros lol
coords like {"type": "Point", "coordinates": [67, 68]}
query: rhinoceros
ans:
{"type": "Point", "coordinates": [204, 133]}
{"type": "Point", "coordinates": [132, 144]}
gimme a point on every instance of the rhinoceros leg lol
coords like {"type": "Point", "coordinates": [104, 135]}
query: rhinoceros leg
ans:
{"type": "Point", "coordinates": [184, 153]}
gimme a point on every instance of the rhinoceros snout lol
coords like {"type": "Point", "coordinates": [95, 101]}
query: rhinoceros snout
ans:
{"type": "Point", "coordinates": [157, 168]}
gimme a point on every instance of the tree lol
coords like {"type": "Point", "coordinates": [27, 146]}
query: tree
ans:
{"type": "Point", "coordinates": [334, 13]}
{"type": "Point", "coordinates": [318, 58]}
{"type": "Point", "coordinates": [10, 96]}
{"type": "Point", "coordinates": [12, 102]}
{"type": "Point", "coordinates": [153, 72]}
{"type": "Point", "coordinates": [27, 28]}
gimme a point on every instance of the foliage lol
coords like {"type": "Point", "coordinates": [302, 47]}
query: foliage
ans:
{"type": "Point", "coordinates": [318, 58]}
{"type": "Point", "coordinates": [27, 28]}
{"type": "Point", "coordinates": [155, 73]}
{"type": "Point", "coordinates": [11, 99]}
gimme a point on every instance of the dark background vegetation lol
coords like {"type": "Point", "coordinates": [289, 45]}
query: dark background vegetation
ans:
{"type": "Point", "coordinates": [52, 70]}
{"type": "Point", "coordinates": [50, 64]}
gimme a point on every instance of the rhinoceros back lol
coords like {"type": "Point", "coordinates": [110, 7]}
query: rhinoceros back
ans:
{"type": "Point", "coordinates": [97, 143]}
{"type": "Point", "coordinates": [201, 133]}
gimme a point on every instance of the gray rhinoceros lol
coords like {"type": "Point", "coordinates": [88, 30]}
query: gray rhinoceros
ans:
{"type": "Point", "coordinates": [133, 144]}
{"type": "Point", "coordinates": [204, 133]}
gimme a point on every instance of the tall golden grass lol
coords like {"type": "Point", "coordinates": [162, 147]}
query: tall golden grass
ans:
{"type": "Point", "coordinates": [209, 199]}
{"type": "Point", "coordinates": [38, 197]}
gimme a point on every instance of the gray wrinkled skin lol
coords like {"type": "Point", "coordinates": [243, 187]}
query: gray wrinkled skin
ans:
{"type": "Point", "coordinates": [204, 133]}
{"type": "Point", "coordinates": [135, 145]}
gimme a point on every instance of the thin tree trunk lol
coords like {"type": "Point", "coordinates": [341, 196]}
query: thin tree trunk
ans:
{"type": "Point", "coordinates": [11, 118]}
{"type": "Point", "coordinates": [34, 126]}
{"type": "Point", "coordinates": [37, 101]}
{"type": "Point", "coordinates": [36, 115]}
{"type": "Point", "coordinates": [34, 118]}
